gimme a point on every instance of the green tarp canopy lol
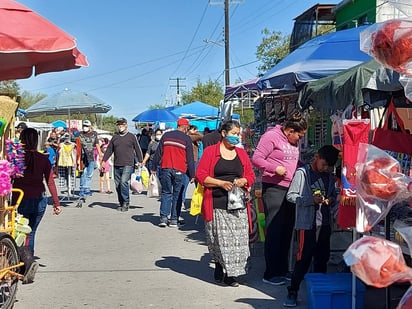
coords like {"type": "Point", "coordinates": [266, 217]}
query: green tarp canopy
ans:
{"type": "Point", "coordinates": [366, 84]}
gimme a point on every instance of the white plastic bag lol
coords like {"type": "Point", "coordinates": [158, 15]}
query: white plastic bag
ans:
{"type": "Point", "coordinates": [154, 187]}
{"type": "Point", "coordinates": [136, 183]}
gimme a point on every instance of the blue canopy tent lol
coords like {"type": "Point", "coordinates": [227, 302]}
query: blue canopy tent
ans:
{"type": "Point", "coordinates": [199, 114]}
{"type": "Point", "coordinates": [322, 56]}
{"type": "Point", "coordinates": [59, 123]}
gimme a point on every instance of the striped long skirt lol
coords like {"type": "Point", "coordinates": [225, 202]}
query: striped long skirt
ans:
{"type": "Point", "coordinates": [227, 237]}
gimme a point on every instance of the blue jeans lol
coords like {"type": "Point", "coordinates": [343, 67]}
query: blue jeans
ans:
{"type": "Point", "coordinates": [33, 209]}
{"type": "Point", "coordinates": [121, 181]}
{"type": "Point", "coordinates": [172, 182]}
{"type": "Point", "coordinates": [182, 196]}
{"type": "Point", "coordinates": [86, 177]}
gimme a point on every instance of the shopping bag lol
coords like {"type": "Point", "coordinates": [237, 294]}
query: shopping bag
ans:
{"type": "Point", "coordinates": [154, 187]}
{"type": "Point", "coordinates": [144, 173]}
{"type": "Point", "coordinates": [397, 143]}
{"type": "Point", "coordinates": [136, 183]}
{"type": "Point", "coordinates": [354, 132]}
{"type": "Point", "coordinates": [197, 199]}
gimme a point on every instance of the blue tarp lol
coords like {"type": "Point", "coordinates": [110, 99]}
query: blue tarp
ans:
{"type": "Point", "coordinates": [322, 56]}
{"type": "Point", "coordinates": [196, 110]}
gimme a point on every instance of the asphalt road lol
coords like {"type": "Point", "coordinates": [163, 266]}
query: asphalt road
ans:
{"type": "Point", "coordinates": [97, 257]}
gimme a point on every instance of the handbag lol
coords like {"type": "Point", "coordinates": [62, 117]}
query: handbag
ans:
{"type": "Point", "coordinates": [237, 199]}
{"type": "Point", "coordinates": [154, 186]}
{"type": "Point", "coordinates": [397, 143]}
{"type": "Point", "coordinates": [197, 200]}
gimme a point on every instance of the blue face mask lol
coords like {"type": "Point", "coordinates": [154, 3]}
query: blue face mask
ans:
{"type": "Point", "coordinates": [233, 139]}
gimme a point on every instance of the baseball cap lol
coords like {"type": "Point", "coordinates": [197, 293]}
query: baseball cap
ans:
{"type": "Point", "coordinates": [183, 122]}
{"type": "Point", "coordinates": [22, 125]}
{"type": "Point", "coordinates": [121, 121]}
{"type": "Point", "coordinates": [87, 123]}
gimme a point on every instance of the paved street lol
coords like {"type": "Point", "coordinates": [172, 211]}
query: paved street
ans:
{"type": "Point", "coordinates": [97, 257]}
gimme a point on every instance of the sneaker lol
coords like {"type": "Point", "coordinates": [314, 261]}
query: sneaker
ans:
{"type": "Point", "coordinates": [275, 280]}
{"type": "Point", "coordinates": [230, 281]}
{"type": "Point", "coordinates": [30, 272]}
{"type": "Point", "coordinates": [88, 192]}
{"type": "Point", "coordinates": [173, 223]}
{"type": "Point", "coordinates": [119, 208]}
{"type": "Point", "coordinates": [291, 299]}
{"type": "Point", "coordinates": [162, 224]}
{"type": "Point", "coordinates": [124, 208]}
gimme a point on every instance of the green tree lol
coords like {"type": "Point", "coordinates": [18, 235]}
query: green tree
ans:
{"type": "Point", "coordinates": [27, 99]}
{"type": "Point", "coordinates": [210, 92]}
{"type": "Point", "coordinates": [10, 88]}
{"type": "Point", "coordinates": [273, 48]}
{"type": "Point", "coordinates": [156, 106]}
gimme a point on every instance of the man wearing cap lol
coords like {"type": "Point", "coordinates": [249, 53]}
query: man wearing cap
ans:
{"type": "Point", "coordinates": [175, 157]}
{"type": "Point", "coordinates": [20, 127]}
{"type": "Point", "coordinates": [126, 149]}
{"type": "Point", "coordinates": [87, 141]}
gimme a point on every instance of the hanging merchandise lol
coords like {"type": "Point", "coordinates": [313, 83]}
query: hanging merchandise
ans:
{"type": "Point", "coordinates": [380, 186]}
{"type": "Point", "coordinates": [5, 179]}
{"type": "Point", "coordinates": [15, 155]}
{"type": "Point", "coordinates": [397, 143]}
{"type": "Point", "coordinates": [390, 43]}
{"type": "Point", "coordinates": [354, 132]}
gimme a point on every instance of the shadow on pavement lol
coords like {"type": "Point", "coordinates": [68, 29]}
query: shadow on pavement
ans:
{"type": "Point", "coordinates": [149, 217]}
{"type": "Point", "coordinates": [198, 269]}
{"type": "Point", "coordinates": [256, 302]}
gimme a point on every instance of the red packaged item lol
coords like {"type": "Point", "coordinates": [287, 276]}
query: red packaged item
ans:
{"type": "Point", "coordinates": [380, 185]}
{"type": "Point", "coordinates": [377, 262]}
{"type": "Point", "coordinates": [390, 43]}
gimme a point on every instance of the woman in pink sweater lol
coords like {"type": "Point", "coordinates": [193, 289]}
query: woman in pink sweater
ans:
{"type": "Point", "coordinates": [277, 156]}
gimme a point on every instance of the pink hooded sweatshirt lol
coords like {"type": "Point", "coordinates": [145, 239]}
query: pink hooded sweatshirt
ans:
{"type": "Point", "coordinates": [272, 151]}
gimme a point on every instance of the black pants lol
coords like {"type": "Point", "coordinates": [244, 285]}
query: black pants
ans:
{"type": "Point", "coordinates": [280, 219]}
{"type": "Point", "coordinates": [310, 248]}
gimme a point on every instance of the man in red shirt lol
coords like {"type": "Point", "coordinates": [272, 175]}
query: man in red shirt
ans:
{"type": "Point", "coordinates": [175, 157]}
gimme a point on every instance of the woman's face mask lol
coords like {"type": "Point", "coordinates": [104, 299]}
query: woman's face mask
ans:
{"type": "Point", "coordinates": [158, 137]}
{"type": "Point", "coordinates": [86, 129]}
{"type": "Point", "coordinates": [233, 139]}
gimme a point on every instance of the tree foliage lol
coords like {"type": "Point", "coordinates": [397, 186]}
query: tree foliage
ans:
{"type": "Point", "coordinates": [273, 48]}
{"type": "Point", "coordinates": [210, 92]}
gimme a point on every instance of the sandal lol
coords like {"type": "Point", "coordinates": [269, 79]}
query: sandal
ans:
{"type": "Point", "coordinates": [109, 192]}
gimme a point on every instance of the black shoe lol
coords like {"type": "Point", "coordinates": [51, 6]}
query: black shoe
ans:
{"type": "Point", "coordinates": [119, 208]}
{"type": "Point", "coordinates": [230, 281]}
{"type": "Point", "coordinates": [219, 275]}
{"type": "Point", "coordinates": [125, 208]}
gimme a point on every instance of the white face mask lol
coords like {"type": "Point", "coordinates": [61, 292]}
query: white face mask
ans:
{"type": "Point", "coordinates": [122, 128]}
{"type": "Point", "coordinates": [86, 129]}
{"type": "Point", "coordinates": [158, 137]}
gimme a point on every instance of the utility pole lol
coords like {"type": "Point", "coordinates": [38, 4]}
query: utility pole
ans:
{"type": "Point", "coordinates": [227, 34]}
{"type": "Point", "coordinates": [227, 63]}
{"type": "Point", "coordinates": [178, 86]}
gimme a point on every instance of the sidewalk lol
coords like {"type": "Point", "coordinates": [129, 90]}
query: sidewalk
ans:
{"type": "Point", "coordinates": [97, 257]}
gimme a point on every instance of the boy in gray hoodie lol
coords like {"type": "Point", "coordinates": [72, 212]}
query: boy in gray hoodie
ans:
{"type": "Point", "coordinates": [313, 191]}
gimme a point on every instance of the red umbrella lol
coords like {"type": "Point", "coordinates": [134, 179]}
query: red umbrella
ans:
{"type": "Point", "coordinates": [28, 40]}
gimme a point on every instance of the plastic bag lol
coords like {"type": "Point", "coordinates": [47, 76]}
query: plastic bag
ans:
{"type": "Point", "coordinates": [380, 185]}
{"type": "Point", "coordinates": [390, 43]}
{"type": "Point", "coordinates": [197, 200]}
{"type": "Point", "coordinates": [236, 199]}
{"type": "Point", "coordinates": [377, 261]}
{"type": "Point", "coordinates": [136, 183]}
{"type": "Point", "coordinates": [154, 187]}
{"type": "Point", "coordinates": [144, 173]}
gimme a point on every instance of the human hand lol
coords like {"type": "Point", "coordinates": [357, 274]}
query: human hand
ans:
{"type": "Point", "coordinates": [241, 182]}
{"type": "Point", "coordinates": [281, 170]}
{"type": "Point", "coordinates": [227, 185]}
{"type": "Point", "coordinates": [56, 210]}
{"type": "Point", "coordinates": [192, 180]}
{"type": "Point", "coordinates": [318, 198]}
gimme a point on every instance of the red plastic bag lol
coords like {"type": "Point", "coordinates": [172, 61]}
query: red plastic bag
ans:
{"type": "Point", "coordinates": [390, 43]}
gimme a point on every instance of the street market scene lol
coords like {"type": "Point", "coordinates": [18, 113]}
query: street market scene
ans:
{"type": "Point", "coordinates": [142, 170]}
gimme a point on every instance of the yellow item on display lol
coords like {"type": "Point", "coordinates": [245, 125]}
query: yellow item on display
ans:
{"type": "Point", "coordinates": [22, 230]}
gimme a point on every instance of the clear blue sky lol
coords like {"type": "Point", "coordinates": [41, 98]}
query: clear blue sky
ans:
{"type": "Point", "coordinates": [136, 47]}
